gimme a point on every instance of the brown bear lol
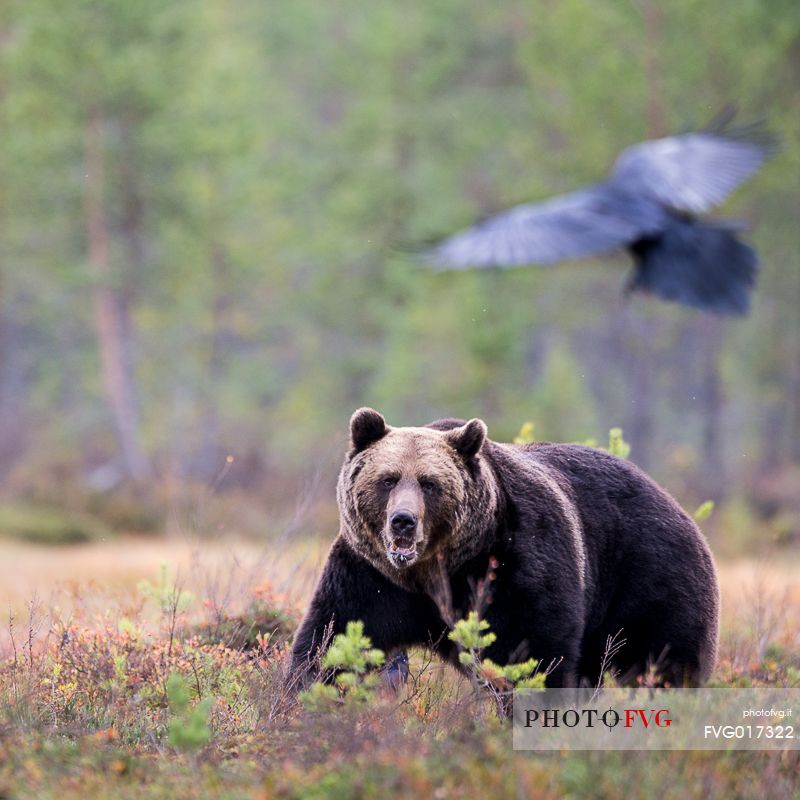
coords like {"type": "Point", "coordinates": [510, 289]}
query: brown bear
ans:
{"type": "Point", "coordinates": [560, 546]}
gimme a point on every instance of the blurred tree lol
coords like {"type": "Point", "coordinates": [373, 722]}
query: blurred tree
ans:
{"type": "Point", "coordinates": [200, 207]}
{"type": "Point", "coordinates": [98, 73]}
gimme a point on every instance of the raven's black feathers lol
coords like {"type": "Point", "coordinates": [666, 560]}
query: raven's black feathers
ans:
{"type": "Point", "coordinates": [646, 205]}
{"type": "Point", "coordinates": [698, 264]}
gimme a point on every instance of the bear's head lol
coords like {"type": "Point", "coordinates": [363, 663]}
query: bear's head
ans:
{"type": "Point", "coordinates": [409, 495]}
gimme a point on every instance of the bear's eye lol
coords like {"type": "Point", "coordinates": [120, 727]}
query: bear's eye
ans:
{"type": "Point", "coordinates": [428, 485]}
{"type": "Point", "coordinates": [389, 481]}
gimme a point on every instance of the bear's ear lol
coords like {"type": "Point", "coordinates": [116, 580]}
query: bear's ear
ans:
{"type": "Point", "coordinates": [366, 427]}
{"type": "Point", "coordinates": [469, 438]}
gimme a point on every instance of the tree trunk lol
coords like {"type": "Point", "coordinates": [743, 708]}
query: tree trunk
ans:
{"type": "Point", "coordinates": [793, 383]}
{"type": "Point", "coordinates": [111, 308]}
{"type": "Point", "coordinates": [640, 328]}
{"type": "Point", "coordinates": [633, 333]}
{"type": "Point", "coordinates": [132, 209]}
{"type": "Point", "coordinates": [12, 417]}
{"type": "Point", "coordinates": [209, 461]}
{"type": "Point", "coordinates": [653, 16]}
{"type": "Point", "coordinates": [712, 480]}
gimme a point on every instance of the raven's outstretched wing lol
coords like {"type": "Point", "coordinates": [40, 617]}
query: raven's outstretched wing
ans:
{"type": "Point", "coordinates": [693, 171]}
{"type": "Point", "coordinates": [583, 223]}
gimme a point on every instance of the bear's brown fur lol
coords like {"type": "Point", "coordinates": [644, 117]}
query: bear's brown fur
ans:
{"type": "Point", "coordinates": [580, 546]}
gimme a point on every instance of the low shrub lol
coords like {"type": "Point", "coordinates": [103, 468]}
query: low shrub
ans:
{"type": "Point", "coordinates": [44, 525]}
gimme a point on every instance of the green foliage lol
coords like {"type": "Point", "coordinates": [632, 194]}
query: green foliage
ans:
{"type": "Point", "coordinates": [472, 635]}
{"type": "Point", "coordinates": [524, 675]}
{"type": "Point", "coordinates": [166, 593]}
{"type": "Point", "coordinates": [617, 446]}
{"type": "Point", "coordinates": [51, 526]}
{"type": "Point", "coordinates": [351, 654]}
{"type": "Point", "coordinates": [189, 727]}
{"type": "Point", "coordinates": [319, 697]}
{"type": "Point", "coordinates": [704, 511]}
{"type": "Point", "coordinates": [526, 434]}
{"type": "Point", "coordinates": [352, 651]}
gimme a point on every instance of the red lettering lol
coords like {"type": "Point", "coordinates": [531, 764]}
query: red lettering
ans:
{"type": "Point", "coordinates": [632, 714]}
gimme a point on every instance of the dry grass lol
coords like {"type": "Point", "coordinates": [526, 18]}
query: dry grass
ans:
{"type": "Point", "coordinates": [120, 565]}
{"type": "Point", "coordinates": [85, 710]}
{"type": "Point", "coordinates": [775, 577]}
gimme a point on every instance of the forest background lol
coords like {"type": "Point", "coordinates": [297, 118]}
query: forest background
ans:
{"type": "Point", "coordinates": [204, 210]}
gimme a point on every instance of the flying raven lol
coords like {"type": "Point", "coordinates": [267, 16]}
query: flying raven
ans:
{"type": "Point", "coordinates": [649, 204]}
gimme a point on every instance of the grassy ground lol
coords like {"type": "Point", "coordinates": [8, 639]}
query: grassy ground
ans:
{"type": "Point", "coordinates": [119, 566]}
{"type": "Point", "coordinates": [88, 708]}
{"type": "Point", "coordinates": [53, 574]}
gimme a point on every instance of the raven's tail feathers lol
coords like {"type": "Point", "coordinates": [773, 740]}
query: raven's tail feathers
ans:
{"type": "Point", "coordinates": [697, 264]}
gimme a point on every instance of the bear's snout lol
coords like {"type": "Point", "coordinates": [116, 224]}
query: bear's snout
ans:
{"type": "Point", "coordinates": [403, 523]}
{"type": "Point", "coordinates": [403, 533]}
{"type": "Point", "coordinates": [403, 528]}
